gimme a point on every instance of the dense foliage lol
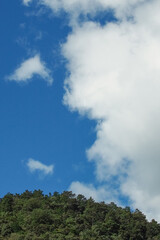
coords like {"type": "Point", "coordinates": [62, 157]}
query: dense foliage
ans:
{"type": "Point", "coordinates": [35, 216]}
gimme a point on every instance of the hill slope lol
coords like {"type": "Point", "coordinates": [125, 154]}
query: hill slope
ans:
{"type": "Point", "coordinates": [35, 216]}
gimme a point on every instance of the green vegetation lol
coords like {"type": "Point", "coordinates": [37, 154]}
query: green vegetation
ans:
{"type": "Point", "coordinates": [35, 216]}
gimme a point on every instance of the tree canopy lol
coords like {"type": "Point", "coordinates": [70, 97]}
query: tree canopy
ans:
{"type": "Point", "coordinates": [35, 216]}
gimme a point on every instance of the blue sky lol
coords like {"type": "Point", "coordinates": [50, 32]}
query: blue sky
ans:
{"type": "Point", "coordinates": [79, 99]}
{"type": "Point", "coordinates": [34, 122]}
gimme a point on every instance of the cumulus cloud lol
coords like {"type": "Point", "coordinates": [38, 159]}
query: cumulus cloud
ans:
{"type": "Point", "coordinates": [115, 79]}
{"type": "Point", "coordinates": [122, 8]}
{"type": "Point", "coordinates": [98, 194]}
{"type": "Point", "coordinates": [35, 165]}
{"type": "Point", "coordinates": [29, 68]}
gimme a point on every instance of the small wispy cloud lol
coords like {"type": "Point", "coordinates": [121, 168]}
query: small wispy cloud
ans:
{"type": "Point", "coordinates": [26, 2]}
{"type": "Point", "coordinates": [29, 68]}
{"type": "Point", "coordinates": [35, 165]}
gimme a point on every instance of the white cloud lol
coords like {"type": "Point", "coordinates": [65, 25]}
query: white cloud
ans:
{"type": "Point", "coordinates": [26, 2]}
{"type": "Point", "coordinates": [98, 194]}
{"type": "Point", "coordinates": [115, 79]}
{"type": "Point", "coordinates": [75, 7]}
{"type": "Point", "coordinates": [29, 68]}
{"type": "Point", "coordinates": [35, 165]}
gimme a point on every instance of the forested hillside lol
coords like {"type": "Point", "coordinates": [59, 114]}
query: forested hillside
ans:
{"type": "Point", "coordinates": [35, 216]}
